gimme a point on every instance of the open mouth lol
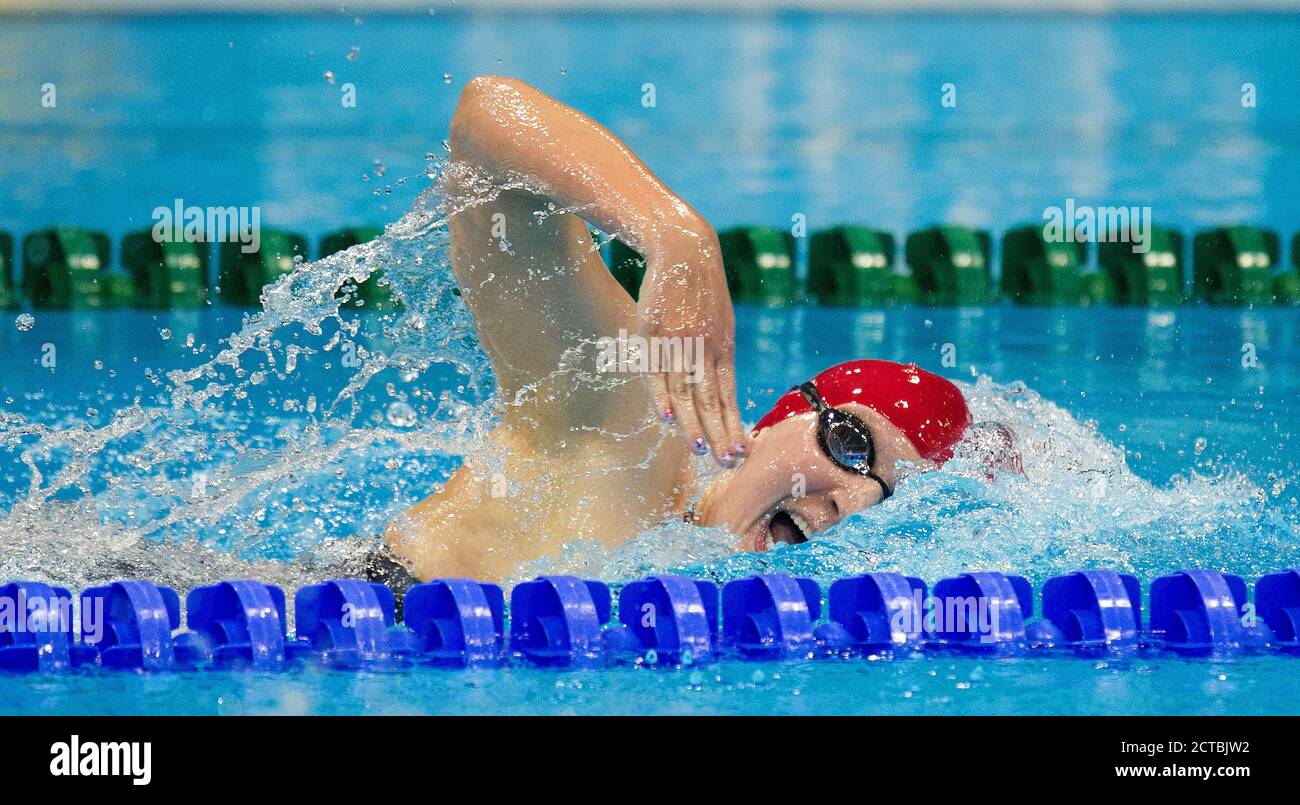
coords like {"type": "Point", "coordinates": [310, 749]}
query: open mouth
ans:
{"type": "Point", "coordinates": [787, 527]}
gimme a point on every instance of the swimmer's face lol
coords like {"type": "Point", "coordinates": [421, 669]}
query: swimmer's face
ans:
{"type": "Point", "coordinates": [788, 489]}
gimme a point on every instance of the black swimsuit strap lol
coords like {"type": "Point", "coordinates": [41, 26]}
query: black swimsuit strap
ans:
{"type": "Point", "coordinates": [380, 565]}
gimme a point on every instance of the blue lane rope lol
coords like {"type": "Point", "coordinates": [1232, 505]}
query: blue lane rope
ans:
{"type": "Point", "coordinates": [663, 620]}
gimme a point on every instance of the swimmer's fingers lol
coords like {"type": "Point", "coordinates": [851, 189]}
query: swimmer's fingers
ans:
{"type": "Point", "coordinates": [681, 393]}
{"type": "Point", "coordinates": [703, 386]}
{"type": "Point", "coordinates": [663, 400]}
{"type": "Point", "coordinates": [693, 400]}
{"type": "Point", "coordinates": [730, 407]}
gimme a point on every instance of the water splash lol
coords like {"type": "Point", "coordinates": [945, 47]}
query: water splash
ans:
{"type": "Point", "coordinates": [247, 453]}
{"type": "Point", "coordinates": [314, 421]}
{"type": "Point", "coordinates": [1077, 505]}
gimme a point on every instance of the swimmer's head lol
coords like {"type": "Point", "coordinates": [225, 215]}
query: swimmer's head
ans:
{"type": "Point", "coordinates": [832, 447]}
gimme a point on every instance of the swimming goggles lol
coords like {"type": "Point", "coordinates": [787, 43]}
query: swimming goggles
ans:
{"type": "Point", "coordinates": [844, 438]}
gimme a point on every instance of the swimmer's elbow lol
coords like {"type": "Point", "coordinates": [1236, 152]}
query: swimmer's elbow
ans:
{"type": "Point", "coordinates": [481, 97]}
{"type": "Point", "coordinates": [484, 88]}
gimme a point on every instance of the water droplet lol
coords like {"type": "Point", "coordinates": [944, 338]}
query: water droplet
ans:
{"type": "Point", "coordinates": [165, 333]}
{"type": "Point", "coordinates": [379, 168]}
{"type": "Point", "coordinates": [329, 77]}
{"type": "Point", "coordinates": [353, 52]}
{"type": "Point", "coordinates": [446, 78]}
{"type": "Point", "coordinates": [25, 321]}
{"type": "Point", "coordinates": [99, 364]}
{"type": "Point", "coordinates": [401, 415]}
{"type": "Point", "coordinates": [1199, 445]}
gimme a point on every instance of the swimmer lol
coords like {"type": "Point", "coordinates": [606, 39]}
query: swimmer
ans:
{"type": "Point", "coordinates": [604, 459]}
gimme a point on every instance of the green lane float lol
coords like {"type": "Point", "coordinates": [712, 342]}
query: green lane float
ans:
{"type": "Point", "coordinates": [166, 274]}
{"type": "Point", "coordinates": [8, 298]}
{"type": "Point", "coordinates": [950, 265]}
{"type": "Point", "coordinates": [1233, 265]}
{"type": "Point", "coordinates": [853, 266]}
{"type": "Point", "coordinates": [62, 268]}
{"type": "Point", "coordinates": [1286, 286]}
{"type": "Point", "coordinates": [1040, 271]}
{"type": "Point", "coordinates": [1097, 289]}
{"type": "Point", "coordinates": [242, 275]}
{"type": "Point", "coordinates": [759, 262]}
{"type": "Point", "coordinates": [117, 289]}
{"type": "Point", "coordinates": [848, 265]}
{"type": "Point", "coordinates": [1153, 278]}
{"type": "Point", "coordinates": [627, 266]}
{"type": "Point", "coordinates": [374, 292]}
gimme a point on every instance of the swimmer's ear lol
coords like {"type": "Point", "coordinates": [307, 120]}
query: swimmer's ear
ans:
{"type": "Point", "coordinates": [994, 444]}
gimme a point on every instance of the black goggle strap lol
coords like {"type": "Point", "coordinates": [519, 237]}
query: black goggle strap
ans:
{"type": "Point", "coordinates": [809, 393]}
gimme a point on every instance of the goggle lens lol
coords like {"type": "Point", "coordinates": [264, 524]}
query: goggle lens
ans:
{"type": "Point", "coordinates": [844, 438]}
{"type": "Point", "coordinates": [848, 445]}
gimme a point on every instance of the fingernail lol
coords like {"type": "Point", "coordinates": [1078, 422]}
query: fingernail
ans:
{"type": "Point", "coordinates": [727, 459]}
{"type": "Point", "coordinates": [669, 416]}
{"type": "Point", "coordinates": [740, 449]}
{"type": "Point", "coordinates": [701, 447]}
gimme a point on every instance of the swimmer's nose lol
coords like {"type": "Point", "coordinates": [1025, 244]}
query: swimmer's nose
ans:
{"type": "Point", "coordinates": [855, 498]}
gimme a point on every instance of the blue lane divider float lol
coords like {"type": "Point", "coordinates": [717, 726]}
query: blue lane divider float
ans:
{"type": "Point", "coordinates": [982, 612]}
{"type": "Point", "coordinates": [669, 619]}
{"type": "Point", "coordinates": [131, 623]}
{"type": "Point", "coordinates": [566, 621]}
{"type": "Point", "coordinates": [1089, 611]}
{"type": "Point", "coordinates": [458, 622]}
{"type": "Point", "coordinates": [242, 623]}
{"type": "Point", "coordinates": [876, 612]}
{"type": "Point", "coordinates": [42, 641]}
{"type": "Point", "coordinates": [350, 623]}
{"type": "Point", "coordinates": [1277, 602]}
{"type": "Point", "coordinates": [558, 620]}
{"type": "Point", "coordinates": [1203, 612]}
{"type": "Point", "coordinates": [771, 615]}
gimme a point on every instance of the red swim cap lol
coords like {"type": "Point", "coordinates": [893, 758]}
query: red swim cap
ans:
{"type": "Point", "coordinates": [927, 408]}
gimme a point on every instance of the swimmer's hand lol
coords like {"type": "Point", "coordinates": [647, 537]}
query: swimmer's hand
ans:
{"type": "Point", "coordinates": [684, 298]}
{"type": "Point", "coordinates": [508, 129]}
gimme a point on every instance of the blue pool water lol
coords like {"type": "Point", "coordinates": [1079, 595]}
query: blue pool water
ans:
{"type": "Point", "coordinates": [1149, 444]}
{"type": "Point", "coordinates": [757, 117]}
{"type": "Point", "coordinates": [1155, 383]}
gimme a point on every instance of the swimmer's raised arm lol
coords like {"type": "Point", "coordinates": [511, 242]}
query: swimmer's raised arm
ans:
{"type": "Point", "coordinates": [509, 130]}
